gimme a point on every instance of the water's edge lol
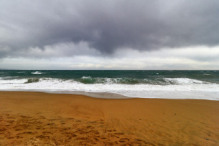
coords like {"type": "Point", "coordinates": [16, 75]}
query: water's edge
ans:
{"type": "Point", "coordinates": [151, 95]}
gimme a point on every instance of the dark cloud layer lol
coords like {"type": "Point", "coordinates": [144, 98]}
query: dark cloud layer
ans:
{"type": "Point", "coordinates": [108, 25]}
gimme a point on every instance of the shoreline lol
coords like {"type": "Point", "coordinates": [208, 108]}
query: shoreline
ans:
{"type": "Point", "coordinates": [28, 118]}
{"type": "Point", "coordinates": [171, 95]}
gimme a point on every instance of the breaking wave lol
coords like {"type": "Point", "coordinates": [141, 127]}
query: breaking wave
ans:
{"type": "Point", "coordinates": [130, 87]}
{"type": "Point", "coordinates": [145, 84]}
{"type": "Point", "coordinates": [155, 81]}
{"type": "Point", "coordinates": [36, 73]}
{"type": "Point", "coordinates": [33, 80]}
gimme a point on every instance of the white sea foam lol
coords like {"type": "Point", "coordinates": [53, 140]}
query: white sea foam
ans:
{"type": "Point", "coordinates": [184, 89]}
{"type": "Point", "coordinates": [183, 81]}
{"type": "Point", "coordinates": [159, 81]}
{"type": "Point", "coordinates": [10, 83]}
{"type": "Point", "coordinates": [86, 77]}
{"type": "Point", "coordinates": [36, 73]}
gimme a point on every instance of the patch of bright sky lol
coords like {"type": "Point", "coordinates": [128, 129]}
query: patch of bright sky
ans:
{"type": "Point", "coordinates": [197, 58]}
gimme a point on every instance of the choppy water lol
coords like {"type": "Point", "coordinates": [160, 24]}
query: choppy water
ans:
{"type": "Point", "coordinates": [137, 83]}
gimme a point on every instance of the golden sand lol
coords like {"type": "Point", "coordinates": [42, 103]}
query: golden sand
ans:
{"type": "Point", "coordinates": [31, 118]}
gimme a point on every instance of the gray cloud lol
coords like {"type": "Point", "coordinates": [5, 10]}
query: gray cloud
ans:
{"type": "Point", "coordinates": [107, 25]}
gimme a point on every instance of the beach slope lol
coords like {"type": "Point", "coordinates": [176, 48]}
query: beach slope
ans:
{"type": "Point", "coordinates": [33, 118]}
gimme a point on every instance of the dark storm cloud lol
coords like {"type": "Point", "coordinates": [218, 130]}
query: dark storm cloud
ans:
{"type": "Point", "coordinates": [107, 25]}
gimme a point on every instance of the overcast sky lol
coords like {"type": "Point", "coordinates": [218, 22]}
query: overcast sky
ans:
{"type": "Point", "coordinates": [110, 34]}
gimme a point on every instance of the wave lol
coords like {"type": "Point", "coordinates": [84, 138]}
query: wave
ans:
{"type": "Point", "coordinates": [33, 80]}
{"type": "Point", "coordinates": [11, 81]}
{"type": "Point", "coordinates": [178, 87]}
{"type": "Point", "coordinates": [154, 81]}
{"type": "Point", "coordinates": [90, 80]}
{"type": "Point", "coordinates": [107, 85]}
{"type": "Point", "coordinates": [183, 81]}
{"type": "Point", "coordinates": [36, 73]}
{"type": "Point", "coordinates": [111, 81]}
{"type": "Point", "coordinates": [207, 74]}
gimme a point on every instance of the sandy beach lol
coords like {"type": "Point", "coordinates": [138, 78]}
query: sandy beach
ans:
{"type": "Point", "coordinates": [33, 118]}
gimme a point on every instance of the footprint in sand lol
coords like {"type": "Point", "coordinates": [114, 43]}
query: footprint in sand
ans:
{"type": "Point", "coordinates": [46, 132]}
{"type": "Point", "coordinates": [43, 137]}
{"type": "Point", "coordinates": [51, 124]}
{"type": "Point", "coordinates": [123, 140]}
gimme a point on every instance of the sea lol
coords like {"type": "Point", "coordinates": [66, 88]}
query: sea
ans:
{"type": "Point", "coordinates": [165, 84]}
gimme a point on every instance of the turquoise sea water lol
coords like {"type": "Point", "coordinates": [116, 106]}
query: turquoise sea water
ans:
{"type": "Point", "coordinates": [133, 83]}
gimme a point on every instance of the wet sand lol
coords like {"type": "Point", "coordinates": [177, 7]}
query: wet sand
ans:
{"type": "Point", "coordinates": [31, 118]}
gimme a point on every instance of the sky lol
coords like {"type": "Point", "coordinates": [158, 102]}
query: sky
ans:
{"type": "Point", "coordinates": [110, 34]}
